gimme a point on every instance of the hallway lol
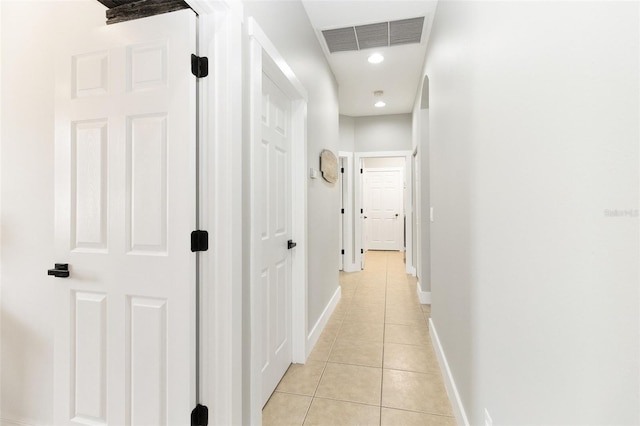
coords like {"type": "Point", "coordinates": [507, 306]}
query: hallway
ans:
{"type": "Point", "coordinates": [373, 364]}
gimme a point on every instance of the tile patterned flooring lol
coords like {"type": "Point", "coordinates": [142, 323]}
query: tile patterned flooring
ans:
{"type": "Point", "coordinates": [373, 364]}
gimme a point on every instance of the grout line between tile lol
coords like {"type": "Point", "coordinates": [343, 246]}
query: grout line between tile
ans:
{"type": "Point", "coordinates": [313, 397]}
{"type": "Point", "coordinates": [384, 330]}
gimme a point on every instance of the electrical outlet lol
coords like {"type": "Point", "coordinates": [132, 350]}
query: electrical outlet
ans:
{"type": "Point", "coordinates": [488, 421]}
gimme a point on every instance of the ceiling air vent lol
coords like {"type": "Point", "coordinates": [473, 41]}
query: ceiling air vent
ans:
{"type": "Point", "coordinates": [382, 34]}
{"type": "Point", "coordinates": [405, 31]}
{"type": "Point", "coordinates": [341, 39]}
{"type": "Point", "coordinates": [373, 35]}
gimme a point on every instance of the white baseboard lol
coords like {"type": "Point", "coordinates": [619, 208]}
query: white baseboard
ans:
{"type": "Point", "coordinates": [318, 328]}
{"type": "Point", "coordinates": [449, 383]}
{"type": "Point", "coordinates": [351, 267]}
{"type": "Point", "coordinates": [423, 296]}
{"type": "Point", "coordinates": [411, 270]}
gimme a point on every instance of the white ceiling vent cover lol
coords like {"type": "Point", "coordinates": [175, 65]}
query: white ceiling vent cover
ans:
{"type": "Point", "coordinates": [382, 34]}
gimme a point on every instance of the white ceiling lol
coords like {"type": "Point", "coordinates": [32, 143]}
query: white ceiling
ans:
{"type": "Point", "coordinates": [398, 75]}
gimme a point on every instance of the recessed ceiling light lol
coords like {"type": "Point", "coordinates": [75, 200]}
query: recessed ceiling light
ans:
{"type": "Point", "coordinates": [380, 104]}
{"type": "Point", "coordinates": [376, 58]}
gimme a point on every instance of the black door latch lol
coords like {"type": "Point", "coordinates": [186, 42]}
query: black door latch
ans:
{"type": "Point", "coordinates": [291, 244]}
{"type": "Point", "coordinates": [61, 270]}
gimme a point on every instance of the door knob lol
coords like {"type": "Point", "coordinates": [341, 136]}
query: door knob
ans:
{"type": "Point", "coordinates": [61, 270]}
{"type": "Point", "coordinates": [291, 244]}
{"type": "Point", "coordinates": [365, 217]}
{"type": "Point", "coordinates": [396, 214]}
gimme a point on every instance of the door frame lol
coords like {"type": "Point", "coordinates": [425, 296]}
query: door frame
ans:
{"type": "Point", "coordinates": [264, 57]}
{"type": "Point", "coordinates": [349, 265]}
{"type": "Point", "coordinates": [389, 169]}
{"type": "Point", "coordinates": [416, 219]}
{"type": "Point", "coordinates": [220, 184]}
{"type": "Point", "coordinates": [408, 208]}
{"type": "Point", "coordinates": [343, 192]}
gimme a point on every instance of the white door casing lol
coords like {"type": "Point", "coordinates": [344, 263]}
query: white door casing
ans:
{"type": "Point", "coordinates": [125, 189]}
{"type": "Point", "coordinates": [383, 208]}
{"type": "Point", "coordinates": [416, 216]}
{"type": "Point", "coordinates": [343, 192]}
{"type": "Point", "coordinates": [263, 57]}
{"type": "Point", "coordinates": [273, 171]}
{"type": "Point", "coordinates": [363, 235]}
{"type": "Point", "coordinates": [358, 200]}
{"type": "Point", "coordinates": [347, 218]}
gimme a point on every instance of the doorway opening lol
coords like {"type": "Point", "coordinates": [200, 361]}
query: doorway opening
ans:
{"type": "Point", "coordinates": [383, 204]}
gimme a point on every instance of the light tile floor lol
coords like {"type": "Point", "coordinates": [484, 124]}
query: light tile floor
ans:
{"type": "Point", "coordinates": [373, 364]}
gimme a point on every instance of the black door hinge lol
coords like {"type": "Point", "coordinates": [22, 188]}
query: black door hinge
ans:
{"type": "Point", "coordinates": [341, 169]}
{"type": "Point", "coordinates": [342, 211]}
{"type": "Point", "coordinates": [361, 211]}
{"type": "Point", "coordinates": [200, 416]}
{"type": "Point", "coordinates": [341, 251]}
{"type": "Point", "coordinates": [199, 66]}
{"type": "Point", "coordinates": [360, 171]}
{"type": "Point", "coordinates": [361, 251]}
{"type": "Point", "coordinates": [199, 241]}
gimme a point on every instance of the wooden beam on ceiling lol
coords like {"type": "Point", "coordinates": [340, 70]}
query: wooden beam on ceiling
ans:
{"type": "Point", "coordinates": [127, 10]}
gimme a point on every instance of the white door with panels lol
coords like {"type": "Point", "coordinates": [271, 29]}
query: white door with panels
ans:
{"type": "Point", "coordinates": [125, 195]}
{"type": "Point", "coordinates": [383, 209]}
{"type": "Point", "coordinates": [273, 170]}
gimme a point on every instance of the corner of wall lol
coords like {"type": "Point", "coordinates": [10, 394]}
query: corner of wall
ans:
{"type": "Point", "coordinates": [423, 296]}
{"type": "Point", "coordinates": [449, 382]}
{"type": "Point", "coordinates": [319, 326]}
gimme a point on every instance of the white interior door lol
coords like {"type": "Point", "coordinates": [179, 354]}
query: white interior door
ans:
{"type": "Point", "coordinates": [275, 206]}
{"type": "Point", "coordinates": [383, 208]}
{"type": "Point", "coordinates": [125, 207]}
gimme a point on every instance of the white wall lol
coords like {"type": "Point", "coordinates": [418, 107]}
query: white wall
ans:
{"type": "Point", "coordinates": [31, 33]}
{"type": "Point", "coordinates": [347, 133]}
{"type": "Point", "coordinates": [382, 133]}
{"type": "Point", "coordinates": [534, 131]}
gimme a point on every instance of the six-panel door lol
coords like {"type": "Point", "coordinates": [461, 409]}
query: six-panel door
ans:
{"type": "Point", "coordinates": [274, 169]}
{"type": "Point", "coordinates": [125, 206]}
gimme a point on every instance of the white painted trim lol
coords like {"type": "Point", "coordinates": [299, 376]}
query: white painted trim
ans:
{"type": "Point", "coordinates": [639, 237]}
{"type": "Point", "coordinates": [349, 264]}
{"type": "Point", "coordinates": [208, 7]}
{"type": "Point", "coordinates": [449, 382]}
{"type": "Point", "coordinates": [399, 229]}
{"type": "Point", "coordinates": [220, 164]}
{"type": "Point", "coordinates": [7, 422]}
{"type": "Point", "coordinates": [318, 328]}
{"type": "Point", "coordinates": [292, 86]}
{"type": "Point", "coordinates": [408, 208]}
{"type": "Point", "coordinates": [1, 224]}
{"type": "Point", "coordinates": [417, 218]}
{"type": "Point", "coordinates": [264, 57]}
{"type": "Point", "coordinates": [423, 296]}
{"type": "Point", "coordinates": [412, 271]}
